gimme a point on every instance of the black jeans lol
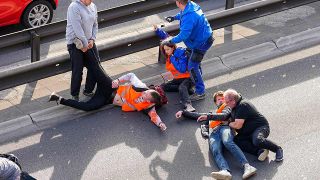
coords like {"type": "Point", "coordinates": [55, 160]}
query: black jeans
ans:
{"type": "Point", "coordinates": [104, 90]}
{"type": "Point", "coordinates": [256, 141]}
{"type": "Point", "coordinates": [78, 61]}
{"type": "Point", "coordinates": [183, 85]}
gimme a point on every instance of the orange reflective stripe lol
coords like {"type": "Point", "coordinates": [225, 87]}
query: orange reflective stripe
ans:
{"type": "Point", "coordinates": [176, 74]}
{"type": "Point", "coordinates": [124, 93]}
{"type": "Point", "coordinates": [128, 96]}
{"type": "Point", "coordinates": [153, 117]}
{"type": "Point", "coordinates": [215, 123]}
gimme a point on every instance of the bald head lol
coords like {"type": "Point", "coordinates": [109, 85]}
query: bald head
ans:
{"type": "Point", "coordinates": [231, 94]}
{"type": "Point", "coordinates": [231, 97]}
{"type": "Point", "coordinates": [9, 170]}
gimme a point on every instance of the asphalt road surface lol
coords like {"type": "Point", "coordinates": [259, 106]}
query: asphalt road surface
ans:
{"type": "Point", "coordinates": [115, 145]}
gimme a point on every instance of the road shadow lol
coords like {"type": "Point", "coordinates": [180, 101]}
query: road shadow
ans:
{"type": "Point", "coordinates": [70, 147]}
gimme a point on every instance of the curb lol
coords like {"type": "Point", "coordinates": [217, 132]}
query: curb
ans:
{"type": "Point", "coordinates": [55, 115]}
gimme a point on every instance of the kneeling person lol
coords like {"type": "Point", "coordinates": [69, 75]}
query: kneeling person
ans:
{"type": "Point", "coordinates": [176, 65]}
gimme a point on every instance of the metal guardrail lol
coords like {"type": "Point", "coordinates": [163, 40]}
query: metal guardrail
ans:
{"type": "Point", "coordinates": [142, 40]}
{"type": "Point", "coordinates": [105, 18]}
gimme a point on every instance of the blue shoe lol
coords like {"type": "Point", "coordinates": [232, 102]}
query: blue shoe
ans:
{"type": "Point", "coordinates": [279, 155]}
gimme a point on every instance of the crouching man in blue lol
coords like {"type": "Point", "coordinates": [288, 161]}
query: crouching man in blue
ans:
{"type": "Point", "coordinates": [176, 65]}
{"type": "Point", "coordinates": [221, 135]}
{"type": "Point", "coordinates": [196, 33]}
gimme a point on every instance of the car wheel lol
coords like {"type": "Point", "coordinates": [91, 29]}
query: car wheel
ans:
{"type": "Point", "coordinates": [37, 13]}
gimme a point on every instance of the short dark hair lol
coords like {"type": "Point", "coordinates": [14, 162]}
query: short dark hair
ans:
{"type": "Point", "coordinates": [156, 98]}
{"type": "Point", "coordinates": [184, 2]}
{"type": "Point", "coordinates": [216, 94]}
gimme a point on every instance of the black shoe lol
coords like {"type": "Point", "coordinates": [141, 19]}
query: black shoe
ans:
{"type": "Point", "coordinates": [76, 98]}
{"type": "Point", "coordinates": [196, 97]}
{"type": "Point", "coordinates": [54, 97]}
{"type": "Point", "coordinates": [88, 94]}
{"type": "Point", "coordinates": [279, 155]}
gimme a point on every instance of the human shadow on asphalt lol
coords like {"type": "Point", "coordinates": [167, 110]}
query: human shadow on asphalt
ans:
{"type": "Point", "coordinates": [70, 147]}
{"type": "Point", "coordinates": [188, 161]}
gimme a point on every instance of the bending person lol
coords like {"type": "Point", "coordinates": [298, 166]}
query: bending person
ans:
{"type": "Point", "coordinates": [196, 33]}
{"type": "Point", "coordinates": [133, 96]}
{"type": "Point", "coordinates": [176, 65]}
{"type": "Point", "coordinates": [220, 134]}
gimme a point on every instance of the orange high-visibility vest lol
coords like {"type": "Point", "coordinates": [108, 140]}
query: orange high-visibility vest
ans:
{"type": "Point", "coordinates": [129, 97]}
{"type": "Point", "coordinates": [214, 124]}
{"type": "Point", "coordinates": [176, 74]}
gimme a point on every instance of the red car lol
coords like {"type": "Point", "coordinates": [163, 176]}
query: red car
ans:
{"type": "Point", "coordinates": [30, 13]}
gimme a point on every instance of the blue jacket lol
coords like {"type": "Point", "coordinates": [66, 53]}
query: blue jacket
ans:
{"type": "Point", "coordinates": [161, 34]}
{"type": "Point", "coordinates": [179, 57]}
{"type": "Point", "coordinates": [194, 27]}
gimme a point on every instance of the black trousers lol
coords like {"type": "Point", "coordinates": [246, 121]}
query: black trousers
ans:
{"type": "Point", "coordinates": [78, 61]}
{"type": "Point", "coordinates": [182, 85]}
{"type": "Point", "coordinates": [104, 89]}
{"type": "Point", "coordinates": [256, 141]}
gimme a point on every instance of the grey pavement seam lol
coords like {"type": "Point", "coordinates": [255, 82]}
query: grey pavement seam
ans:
{"type": "Point", "coordinates": [224, 63]}
{"type": "Point", "coordinates": [33, 122]}
{"type": "Point", "coordinates": [275, 43]}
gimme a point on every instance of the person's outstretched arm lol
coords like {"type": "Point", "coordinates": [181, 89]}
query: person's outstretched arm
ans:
{"type": "Point", "coordinates": [161, 33]}
{"type": "Point", "coordinates": [155, 118]}
{"type": "Point", "coordinates": [224, 116]}
{"type": "Point", "coordinates": [192, 115]}
{"type": "Point", "coordinates": [132, 78]}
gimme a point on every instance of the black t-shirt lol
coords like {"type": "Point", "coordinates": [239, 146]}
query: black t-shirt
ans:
{"type": "Point", "coordinates": [252, 118]}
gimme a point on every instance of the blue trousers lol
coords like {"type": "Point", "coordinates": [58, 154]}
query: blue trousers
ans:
{"type": "Point", "coordinates": [194, 64]}
{"type": "Point", "coordinates": [222, 135]}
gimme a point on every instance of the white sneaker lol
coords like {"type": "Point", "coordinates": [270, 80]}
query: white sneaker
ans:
{"type": "Point", "coordinates": [263, 154]}
{"type": "Point", "coordinates": [248, 171]}
{"type": "Point", "coordinates": [189, 108]}
{"type": "Point", "coordinates": [222, 175]}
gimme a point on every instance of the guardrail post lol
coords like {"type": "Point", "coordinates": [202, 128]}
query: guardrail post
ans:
{"type": "Point", "coordinates": [161, 56]}
{"type": "Point", "coordinates": [229, 4]}
{"type": "Point", "coordinates": [35, 46]}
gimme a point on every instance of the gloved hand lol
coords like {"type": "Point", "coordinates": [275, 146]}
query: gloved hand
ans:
{"type": "Point", "coordinates": [166, 42]}
{"type": "Point", "coordinates": [169, 19]}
